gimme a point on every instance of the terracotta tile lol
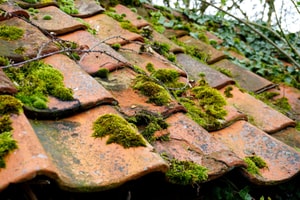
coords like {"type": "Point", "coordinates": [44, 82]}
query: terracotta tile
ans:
{"type": "Point", "coordinates": [6, 86]}
{"type": "Point", "coordinates": [31, 42]}
{"type": "Point", "coordinates": [131, 16]}
{"type": "Point", "coordinates": [12, 10]}
{"type": "Point", "coordinates": [29, 159]}
{"type": "Point", "coordinates": [245, 78]}
{"type": "Point", "coordinates": [87, 91]}
{"type": "Point", "coordinates": [110, 30]}
{"type": "Point", "coordinates": [85, 163]}
{"type": "Point", "coordinates": [38, 4]}
{"type": "Point", "coordinates": [293, 96]}
{"type": "Point", "coordinates": [87, 8]}
{"type": "Point", "coordinates": [162, 39]}
{"type": "Point", "coordinates": [211, 36]}
{"type": "Point", "coordinates": [193, 67]}
{"type": "Point", "coordinates": [244, 139]}
{"type": "Point", "coordinates": [215, 55]}
{"type": "Point", "coordinates": [289, 136]}
{"type": "Point", "coordinates": [169, 33]}
{"type": "Point", "coordinates": [131, 101]}
{"type": "Point", "coordinates": [92, 62]}
{"type": "Point", "coordinates": [232, 116]}
{"type": "Point", "coordinates": [189, 141]}
{"type": "Point", "coordinates": [131, 52]}
{"type": "Point", "coordinates": [60, 23]}
{"type": "Point", "coordinates": [262, 115]}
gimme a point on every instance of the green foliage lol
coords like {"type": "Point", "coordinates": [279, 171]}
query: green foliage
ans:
{"type": "Point", "coordinates": [148, 87]}
{"type": "Point", "coordinates": [116, 46]}
{"type": "Point", "coordinates": [47, 17]}
{"type": "Point", "coordinates": [186, 173]}
{"type": "Point", "coordinates": [227, 92]}
{"type": "Point", "coordinates": [10, 32]}
{"type": "Point", "coordinates": [7, 145]}
{"type": "Point", "coordinates": [118, 130]}
{"type": "Point", "coordinates": [5, 123]}
{"type": "Point", "coordinates": [254, 163]}
{"type": "Point", "coordinates": [102, 73]}
{"type": "Point", "coordinates": [129, 26]}
{"type": "Point", "coordinates": [37, 80]}
{"type": "Point", "coordinates": [9, 104]}
{"type": "Point", "coordinates": [68, 6]}
{"type": "Point", "coordinates": [4, 61]}
{"type": "Point", "coordinates": [150, 123]}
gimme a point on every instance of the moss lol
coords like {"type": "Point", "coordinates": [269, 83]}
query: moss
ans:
{"type": "Point", "coordinates": [186, 173]}
{"type": "Point", "coordinates": [150, 67]}
{"type": "Point", "coordinates": [37, 80]}
{"type": "Point", "coordinates": [9, 104]}
{"type": "Point", "coordinates": [4, 61]}
{"type": "Point", "coordinates": [207, 107]}
{"type": "Point", "coordinates": [166, 75]}
{"type": "Point", "coordinates": [254, 164]}
{"type": "Point", "coordinates": [283, 105]}
{"type": "Point", "coordinates": [150, 123]}
{"type": "Point", "coordinates": [128, 26]}
{"type": "Point", "coordinates": [118, 130]}
{"type": "Point", "coordinates": [10, 32]}
{"type": "Point", "coordinates": [19, 50]}
{"type": "Point", "coordinates": [67, 6]}
{"type": "Point", "coordinates": [227, 92]}
{"type": "Point", "coordinates": [102, 73]}
{"type": "Point", "coordinates": [5, 123]}
{"type": "Point", "coordinates": [7, 145]}
{"type": "Point", "coordinates": [116, 46]}
{"type": "Point", "coordinates": [156, 93]}
{"type": "Point", "coordinates": [47, 17]}
{"type": "Point", "coordinates": [114, 15]}
{"type": "Point", "coordinates": [227, 72]}
{"type": "Point", "coordinates": [297, 126]}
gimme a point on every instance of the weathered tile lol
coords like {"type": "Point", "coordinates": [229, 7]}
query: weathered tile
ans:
{"type": "Point", "coordinates": [245, 78]}
{"type": "Point", "coordinates": [232, 116]}
{"type": "Point", "coordinates": [60, 22]}
{"type": "Point", "coordinates": [289, 136]}
{"type": "Point", "coordinates": [189, 141]}
{"type": "Point", "coordinates": [193, 67]}
{"type": "Point", "coordinates": [244, 139]}
{"type": "Point", "coordinates": [6, 86]}
{"type": "Point", "coordinates": [169, 33]}
{"type": "Point", "coordinates": [260, 114]}
{"type": "Point", "coordinates": [87, 90]}
{"type": "Point", "coordinates": [293, 96]}
{"type": "Point", "coordinates": [214, 54]}
{"type": "Point", "coordinates": [132, 52]}
{"type": "Point", "coordinates": [85, 163]}
{"type": "Point", "coordinates": [37, 4]}
{"type": "Point", "coordinates": [119, 83]}
{"type": "Point", "coordinates": [110, 31]}
{"type": "Point", "coordinates": [87, 8]}
{"type": "Point", "coordinates": [12, 10]}
{"type": "Point", "coordinates": [29, 159]}
{"type": "Point", "coordinates": [29, 45]}
{"type": "Point", "coordinates": [131, 16]}
{"type": "Point", "coordinates": [106, 57]}
{"type": "Point", "coordinates": [162, 39]}
{"type": "Point", "coordinates": [211, 36]}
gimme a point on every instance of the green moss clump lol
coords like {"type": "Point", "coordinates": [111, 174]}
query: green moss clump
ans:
{"type": "Point", "coordinates": [167, 76]}
{"type": "Point", "coordinates": [150, 67]}
{"type": "Point", "coordinates": [207, 108]}
{"type": "Point", "coordinates": [186, 173]}
{"type": "Point", "coordinates": [19, 50]}
{"type": "Point", "coordinates": [254, 164]}
{"type": "Point", "coordinates": [150, 123]}
{"type": "Point", "coordinates": [5, 123]}
{"type": "Point", "coordinates": [156, 93]}
{"type": "Point", "coordinates": [7, 145]}
{"type": "Point", "coordinates": [116, 46]}
{"type": "Point", "coordinates": [9, 104]}
{"type": "Point", "coordinates": [4, 61]}
{"type": "Point", "coordinates": [128, 26]}
{"type": "Point", "coordinates": [119, 131]}
{"type": "Point", "coordinates": [10, 32]}
{"type": "Point", "coordinates": [67, 6]}
{"type": "Point", "coordinates": [47, 17]}
{"type": "Point", "coordinates": [102, 73]}
{"type": "Point", "coordinates": [227, 92]}
{"type": "Point", "coordinates": [37, 80]}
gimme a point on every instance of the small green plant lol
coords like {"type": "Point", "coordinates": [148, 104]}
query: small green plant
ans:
{"type": "Point", "coordinates": [254, 163]}
{"type": "Point", "coordinates": [68, 6]}
{"type": "Point", "coordinates": [128, 26]}
{"type": "Point", "coordinates": [36, 80]}
{"type": "Point", "coordinates": [7, 145]}
{"type": "Point", "coordinates": [148, 87]}
{"type": "Point", "coordinates": [10, 32]}
{"type": "Point", "coordinates": [118, 130]}
{"type": "Point", "coordinates": [4, 61]}
{"type": "Point", "coordinates": [47, 17]}
{"type": "Point", "coordinates": [150, 123]}
{"type": "Point", "coordinates": [116, 46]}
{"type": "Point", "coordinates": [102, 73]}
{"type": "Point", "coordinates": [186, 172]}
{"type": "Point", "coordinates": [227, 92]}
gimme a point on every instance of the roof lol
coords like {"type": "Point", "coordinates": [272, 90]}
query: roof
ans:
{"type": "Point", "coordinates": [57, 141]}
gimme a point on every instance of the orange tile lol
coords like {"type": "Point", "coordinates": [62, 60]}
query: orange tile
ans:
{"type": "Point", "coordinates": [289, 136]}
{"type": "Point", "coordinates": [244, 139]}
{"type": "Point", "coordinates": [87, 8]}
{"type": "Point", "coordinates": [13, 10]}
{"type": "Point", "coordinates": [6, 86]}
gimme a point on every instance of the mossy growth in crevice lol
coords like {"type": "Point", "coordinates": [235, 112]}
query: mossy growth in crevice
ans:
{"type": "Point", "coordinates": [125, 24]}
{"type": "Point", "coordinates": [205, 106]}
{"type": "Point", "coordinates": [147, 86]}
{"type": "Point", "coordinates": [227, 92]}
{"type": "Point", "coordinates": [163, 49]}
{"type": "Point", "coordinates": [10, 32]}
{"type": "Point", "coordinates": [149, 123]}
{"type": "Point", "coordinates": [119, 131]}
{"type": "Point", "coordinates": [35, 81]}
{"type": "Point", "coordinates": [185, 172]}
{"type": "Point", "coordinates": [8, 105]}
{"type": "Point", "coordinates": [4, 61]}
{"type": "Point", "coordinates": [67, 6]}
{"type": "Point", "coordinates": [102, 73]}
{"type": "Point", "coordinates": [254, 163]}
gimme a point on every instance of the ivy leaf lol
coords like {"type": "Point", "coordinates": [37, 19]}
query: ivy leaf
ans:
{"type": "Point", "coordinates": [244, 193]}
